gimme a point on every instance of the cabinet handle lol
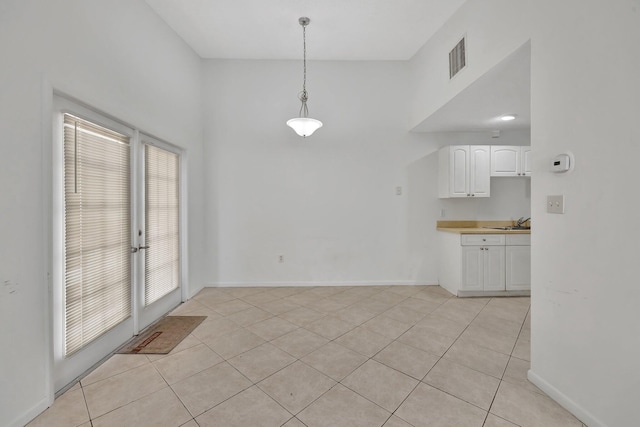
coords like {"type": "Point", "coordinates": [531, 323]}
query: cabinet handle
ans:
{"type": "Point", "coordinates": [468, 194]}
{"type": "Point", "coordinates": [472, 195]}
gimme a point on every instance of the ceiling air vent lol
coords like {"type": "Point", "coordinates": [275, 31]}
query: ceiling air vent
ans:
{"type": "Point", "coordinates": [457, 58]}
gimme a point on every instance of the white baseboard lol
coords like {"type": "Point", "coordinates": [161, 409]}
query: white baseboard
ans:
{"type": "Point", "coordinates": [24, 419]}
{"type": "Point", "coordinates": [563, 400]}
{"type": "Point", "coordinates": [309, 284]}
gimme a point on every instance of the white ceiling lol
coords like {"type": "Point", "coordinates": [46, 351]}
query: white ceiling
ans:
{"type": "Point", "coordinates": [339, 29]}
{"type": "Point", "coordinates": [352, 30]}
{"type": "Point", "coordinates": [505, 89]}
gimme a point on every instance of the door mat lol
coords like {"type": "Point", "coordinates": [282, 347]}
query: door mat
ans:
{"type": "Point", "coordinates": [162, 336]}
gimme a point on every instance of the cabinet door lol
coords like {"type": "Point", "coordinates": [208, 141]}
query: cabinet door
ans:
{"type": "Point", "coordinates": [518, 268]}
{"type": "Point", "coordinates": [459, 171]}
{"type": "Point", "coordinates": [472, 268]}
{"type": "Point", "coordinates": [505, 160]}
{"type": "Point", "coordinates": [494, 268]}
{"type": "Point", "coordinates": [526, 161]}
{"type": "Point", "coordinates": [480, 170]}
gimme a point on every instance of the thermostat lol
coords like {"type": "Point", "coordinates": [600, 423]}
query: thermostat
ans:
{"type": "Point", "coordinates": [561, 163]}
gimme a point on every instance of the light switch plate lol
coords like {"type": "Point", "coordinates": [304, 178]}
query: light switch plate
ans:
{"type": "Point", "coordinates": [555, 204]}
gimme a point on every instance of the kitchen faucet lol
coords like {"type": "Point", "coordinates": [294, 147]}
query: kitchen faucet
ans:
{"type": "Point", "coordinates": [521, 221]}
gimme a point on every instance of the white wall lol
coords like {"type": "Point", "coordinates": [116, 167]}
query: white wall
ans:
{"type": "Point", "coordinates": [120, 58]}
{"type": "Point", "coordinates": [327, 203]}
{"type": "Point", "coordinates": [585, 99]}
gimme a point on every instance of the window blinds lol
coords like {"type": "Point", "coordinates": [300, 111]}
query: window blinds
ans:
{"type": "Point", "coordinates": [162, 215]}
{"type": "Point", "coordinates": [97, 231]}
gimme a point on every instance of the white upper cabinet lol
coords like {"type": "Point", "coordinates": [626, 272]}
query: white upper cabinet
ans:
{"type": "Point", "coordinates": [526, 160]}
{"type": "Point", "coordinates": [480, 170]}
{"type": "Point", "coordinates": [464, 171]}
{"type": "Point", "coordinates": [507, 160]}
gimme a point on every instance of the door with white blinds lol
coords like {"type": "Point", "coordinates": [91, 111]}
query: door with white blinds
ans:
{"type": "Point", "coordinates": [93, 298]}
{"type": "Point", "coordinates": [117, 236]}
{"type": "Point", "coordinates": [160, 231]}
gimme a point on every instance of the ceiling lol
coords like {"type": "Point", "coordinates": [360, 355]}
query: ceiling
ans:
{"type": "Point", "coordinates": [353, 30]}
{"type": "Point", "coordinates": [339, 29]}
{"type": "Point", "coordinates": [505, 89]}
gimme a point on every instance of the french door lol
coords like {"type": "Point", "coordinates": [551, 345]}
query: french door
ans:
{"type": "Point", "coordinates": [117, 236]}
{"type": "Point", "coordinates": [159, 233]}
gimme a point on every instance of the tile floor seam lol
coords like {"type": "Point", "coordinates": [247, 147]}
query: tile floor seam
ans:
{"type": "Point", "coordinates": [448, 348]}
{"type": "Point", "coordinates": [135, 400]}
{"type": "Point", "coordinates": [310, 403]}
{"type": "Point", "coordinates": [95, 367]}
{"type": "Point", "coordinates": [460, 398]}
{"type": "Point", "coordinates": [297, 419]}
{"type": "Point", "coordinates": [520, 331]}
{"type": "Point", "coordinates": [221, 356]}
{"type": "Point", "coordinates": [217, 404]}
{"type": "Point", "coordinates": [126, 404]}
{"type": "Point", "coordinates": [278, 403]}
{"type": "Point", "coordinates": [476, 370]}
{"type": "Point", "coordinates": [195, 373]}
{"type": "Point", "coordinates": [491, 404]}
{"type": "Point", "coordinates": [86, 405]}
{"type": "Point", "coordinates": [497, 416]}
{"type": "Point", "coordinates": [434, 365]}
{"type": "Point", "coordinates": [182, 403]}
{"type": "Point", "coordinates": [377, 404]}
{"type": "Point", "coordinates": [523, 322]}
{"type": "Point", "coordinates": [334, 386]}
{"type": "Point", "coordinates": [456, 340]}
{"type": "Point", "coordinates": [350, 372]}
{"type": "Point", "coordinates": [493, 331]}
{"type": "Point", "coordinates": [284, 367]}
{"type": "Point", "coordinates": [404, 400]}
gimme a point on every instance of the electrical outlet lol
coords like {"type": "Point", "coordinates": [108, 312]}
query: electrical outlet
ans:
{"type": "Point", "coordinates": [398, 191]}
{"type": "Point", "coordinates": [280, 258]}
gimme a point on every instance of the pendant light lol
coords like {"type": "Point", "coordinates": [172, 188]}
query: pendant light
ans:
{"type": "Point", "coordinates": [304, 125]}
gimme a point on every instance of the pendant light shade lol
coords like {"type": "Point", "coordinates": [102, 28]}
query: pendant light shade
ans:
{"type": "Point", "coordinates": [304, 125]}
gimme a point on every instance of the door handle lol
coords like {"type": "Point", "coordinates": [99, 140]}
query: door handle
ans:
{"type": "Point", "coordinates": [143, 247]}
{"type": "Point", "coordinates": [134, 249]}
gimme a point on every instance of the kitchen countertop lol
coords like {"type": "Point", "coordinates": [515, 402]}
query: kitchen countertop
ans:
{"type": "Point", "coordinates": [478, 227]}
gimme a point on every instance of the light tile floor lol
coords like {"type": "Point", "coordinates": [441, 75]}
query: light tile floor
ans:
{"type": "Point", "coordinates": [393, 356]}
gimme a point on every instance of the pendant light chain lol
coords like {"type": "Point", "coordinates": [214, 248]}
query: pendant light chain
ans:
{"type": "Point", "coordinates": [304, 58]}
{"type": "Point", "coordinates": [304, 110]}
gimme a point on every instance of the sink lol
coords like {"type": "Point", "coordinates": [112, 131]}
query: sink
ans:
{"type": "Point", "coordinates": [513, 227]}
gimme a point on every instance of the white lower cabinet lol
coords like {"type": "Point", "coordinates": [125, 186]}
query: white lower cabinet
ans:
{"type": "Point", "coordinates": [518, 260]}
{"type": "Point", "coordinates": [483, 258]}
{"type": "Point", "coordinates": [483, 268]}
{"type": "Point", "coordinates": [473, 264]}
